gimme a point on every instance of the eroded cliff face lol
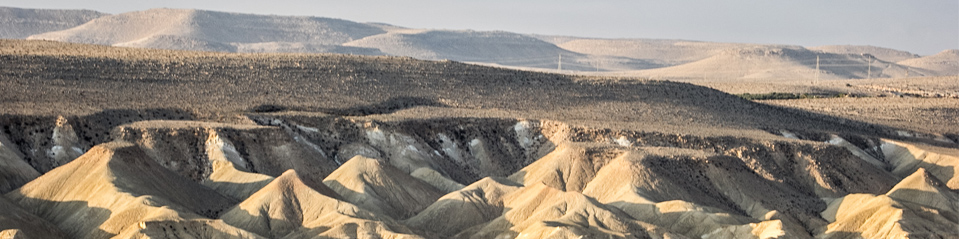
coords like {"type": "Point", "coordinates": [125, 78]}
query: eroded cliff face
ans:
{"type": "Point", "coordinates": [47, 142]}
{"type": "Point", "coordinates": [667, 184]}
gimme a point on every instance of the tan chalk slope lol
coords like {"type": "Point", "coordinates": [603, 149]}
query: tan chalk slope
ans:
{"type": "Point", "coordinates": [292, 208]}
{"type": "Point", "coordinates": [111, 190]}
{"type": "Point", "coordinates": [919, 206]}
{"type": "Point", "coordinates": [383, 189]}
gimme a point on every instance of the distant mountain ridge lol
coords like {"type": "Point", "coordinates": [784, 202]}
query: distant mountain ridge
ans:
{"type": "Point", "coordinates": [945, 62]}
{"type": "Point", "coordinates": [201, 30]}
{"type": "Point", "coordinates": [21, 23]}
{"type": "Point", "coordinates": [187, 29]}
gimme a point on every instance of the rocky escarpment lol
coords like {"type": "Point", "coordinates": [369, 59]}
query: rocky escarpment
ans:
{"type": "Point", "coordinates": [730, 185]}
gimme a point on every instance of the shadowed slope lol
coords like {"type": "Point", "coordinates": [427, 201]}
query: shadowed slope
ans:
{"type": "Point", "coordinates": [110, 189]}
{"type": "Point", "coordinates": [14, 172]}
{"type": "Point", "coordinates": [12, 217]}
{"type": "Point", "coordinates": [234, 159]}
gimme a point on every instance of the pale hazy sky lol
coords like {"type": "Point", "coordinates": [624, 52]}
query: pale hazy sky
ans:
{"type": "Point", "coordinates": [920, 26]}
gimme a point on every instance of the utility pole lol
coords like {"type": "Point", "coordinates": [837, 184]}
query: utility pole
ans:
{"type": "Point", "coordinates": [817, 70]}
{"type": "Point", "coordinates": [559, 64]}
{"type": "Point", "coordinates": [868, 68]}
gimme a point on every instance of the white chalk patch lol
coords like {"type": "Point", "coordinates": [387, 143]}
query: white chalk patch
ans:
{"type": "Point", "coordinates": [475, 142]}
{"type": "Point", "coordinates": [787, 134]}
{"type": "Point", "coordinates": [450, 148]}
{"type": "Point", "coordinates": [623, 141]}
{"type": "Point", "coordinates": [55, 150]}
{"type": "Point", "coordinates": [523, 135]}
{"type": "Point", "coordinates": [838, 141]}
{"type": "Point", "coordinates": [315, 147]}
{"type": "Point", "coordinates": [308, 129]}
{"type": "Point", "coordinates": [217, 145]}
{"type": "Point", "coordinates": [376, 136]}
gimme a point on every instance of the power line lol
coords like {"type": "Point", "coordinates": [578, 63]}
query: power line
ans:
{"type": "Point", "coordinates": [559, 64]}
{"type": "Point", "coordinates": [817, 70]}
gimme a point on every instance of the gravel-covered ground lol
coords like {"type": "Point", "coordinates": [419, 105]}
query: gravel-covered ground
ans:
{"type": "Point", "coordinates": [929, 115]}
{"type": "Point", "coordinates": [49, 78]}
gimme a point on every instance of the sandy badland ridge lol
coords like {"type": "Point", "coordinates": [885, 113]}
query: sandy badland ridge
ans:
{"type": "Point", "coordinates": [104, 142]}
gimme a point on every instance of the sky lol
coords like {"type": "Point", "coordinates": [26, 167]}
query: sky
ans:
{"type": "Point", "coordinates": [923, 27]}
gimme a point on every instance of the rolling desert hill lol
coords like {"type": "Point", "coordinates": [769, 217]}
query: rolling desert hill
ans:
{"type": "Point", "coordinates": [502, 48]}
{"type": "Point", "coordinates": [103, 142]}
{"type": "Point", "coordinates": [787, 63]}
{"type": "Point", "coordinates": [881, 53]}
{"type": "Point", "coordinates": [21, 23]}
{"type": "Point", "coordinates": [665, 52]}
{"type": "Point", "coordinates": [188, 29]}
{"type": "Point", "coordinates": [944, 63]}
